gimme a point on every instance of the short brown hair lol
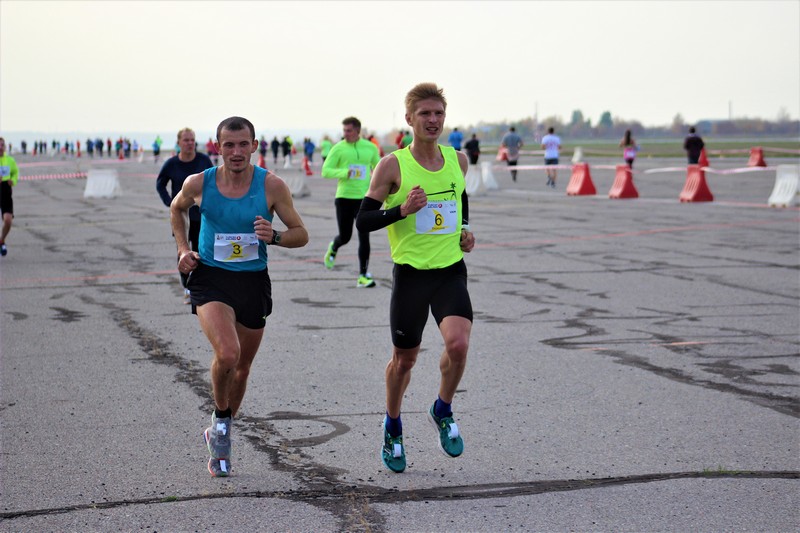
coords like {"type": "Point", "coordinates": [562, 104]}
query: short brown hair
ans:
{"type": "Point", "coordinates": [353, 121]}
{"type": "Point", "coordinates": [236, 124]}
{"type": "Point", "coordinates": [424, 91]}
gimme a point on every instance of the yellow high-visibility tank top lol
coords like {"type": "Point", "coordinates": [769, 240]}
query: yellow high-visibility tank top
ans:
{"type": "Point", "coordinates": [429, 238]}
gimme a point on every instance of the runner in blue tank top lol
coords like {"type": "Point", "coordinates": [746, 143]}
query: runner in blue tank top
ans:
{"type": "Point", "coordinates": [231, 292]}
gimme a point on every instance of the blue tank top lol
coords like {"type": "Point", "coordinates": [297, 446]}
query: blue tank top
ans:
{"type": "Point", "coordinates": [227, 237]}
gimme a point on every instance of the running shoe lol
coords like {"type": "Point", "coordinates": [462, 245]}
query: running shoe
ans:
{"type": "Point", "coordinates": [393, 453]}
{"type": "Point", "coordinates": [218, 441]}
{"type": "Point", "coordinates": [330, 257]}
{"type": "Point", "coordinates": [365, 281]}
{"type": "Point", "coordinates": [450, 441]}
{"type": "Point", "coordinates": [3, 249]}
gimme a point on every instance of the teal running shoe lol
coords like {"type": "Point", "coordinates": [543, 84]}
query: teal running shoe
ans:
{"type": "Point", "coordinates": [330, 257]}
{"type": "Point", "coordinates": [393, 453]}
{"type": "Point", "coordinates": [450, 441]}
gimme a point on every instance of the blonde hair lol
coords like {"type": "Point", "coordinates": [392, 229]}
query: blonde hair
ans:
{"type": "Point", "coordinates": [185, 130]}
{"type": "Point", "coordinates": [424, 91]}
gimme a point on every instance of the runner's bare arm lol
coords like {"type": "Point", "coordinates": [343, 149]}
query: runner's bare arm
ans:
{"type": "Point", "coordinates": [280, 202]}
{"type": "Point", "coordinates": [189, 195]}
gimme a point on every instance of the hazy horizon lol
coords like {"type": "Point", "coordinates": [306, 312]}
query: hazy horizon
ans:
{"type": "Point", "coordinates": [142, 66]}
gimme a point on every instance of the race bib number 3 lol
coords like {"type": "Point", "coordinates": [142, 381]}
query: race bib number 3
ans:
{"type": "Point", "coordinates": [235, 247]}
{"type": "Point", "coordinates": [437, 218]}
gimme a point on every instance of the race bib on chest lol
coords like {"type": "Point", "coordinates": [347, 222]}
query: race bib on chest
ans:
{"type": "Point", "coordinates": [357, 172]}
{"type": "Point", "coordinates": [437, 218]}
{"type": "Point", "coordinates": [5, 171]}
{"type": "Point", "coordinates": [235, 247]}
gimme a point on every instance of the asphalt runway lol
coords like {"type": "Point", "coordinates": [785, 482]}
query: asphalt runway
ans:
{"type": "Point", "coordinates": [633, 367]}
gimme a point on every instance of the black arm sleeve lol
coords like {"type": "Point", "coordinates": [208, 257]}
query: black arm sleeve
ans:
{"type": "Point", "coordinates": [464, 207]}
{"type": "Point", "coordinates": [371, 217]}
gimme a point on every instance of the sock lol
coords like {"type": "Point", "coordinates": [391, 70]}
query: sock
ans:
{"type": "Point", "coordinates": [394, 425]}
{"type": "Point", "coordinates": [441, 409]}
{"type": "Point", "coordinates": [223, 414]}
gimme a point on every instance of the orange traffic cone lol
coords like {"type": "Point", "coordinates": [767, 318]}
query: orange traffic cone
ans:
{"type": "Point", "coordinates": [581, 181]}
{"type": "Point", "coordinates": [696, 189]}
{"type": "Point", "coordinates": [756, 157]}
{"type": "Point", "coordinates": [703, 160]}
{"type": "Point", "coordinates": [261, 161]}
{"type": "Point", "coordinates": [121, 154]}
{"type": "Point", "coordinates": [623, 184]}
{"type": "Point", "coordinates": [78, 146]}
{"type": "Point", "coordinates": [307, 167]}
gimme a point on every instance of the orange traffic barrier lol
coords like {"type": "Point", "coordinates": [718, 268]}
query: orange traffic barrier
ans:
{"type": "Point", "coordinates": [623, 186]}
{"type": "Point", "coordinates": [696, 189]}
{"type": "Point", "coordinates": [580, 183]}
{"type": "Point", "coordinates": [261, 162]}
{"type": "Point", "coordinates": [703, 160]}
{"type": "Point", "coordinates": [756, 157]}
{"type": "Point", "coordinates": [307, 167]}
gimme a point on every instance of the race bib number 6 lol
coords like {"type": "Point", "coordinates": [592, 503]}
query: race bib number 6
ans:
{"type": "Point", "coordinates": [235, 247]}
{"type": "Point", "coordinates": [437, 218]}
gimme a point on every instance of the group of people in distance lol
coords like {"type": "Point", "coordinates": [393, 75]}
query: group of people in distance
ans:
{"type": "Point", "coordinates": [222, 219]}
{"type": "Point", "coordinates": [551, 143]}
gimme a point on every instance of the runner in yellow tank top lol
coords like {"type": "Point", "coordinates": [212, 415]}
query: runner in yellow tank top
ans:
{"type": "Point", "coordinates": [421, 189]}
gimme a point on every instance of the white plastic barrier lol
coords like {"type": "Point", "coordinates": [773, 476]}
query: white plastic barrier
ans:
{"type": "Point", "coordinates": [488, 177]}
{"type": "Point", "coordinates": [577, 155]}
{"type": "Point", "coordinates": [787, 187]}
{"type": "Point", "coordinates": [297, 185]}
{"type": "Point", "coordinates": [475, 185]}
{"type": "Point", "coordinates": [102, 183]}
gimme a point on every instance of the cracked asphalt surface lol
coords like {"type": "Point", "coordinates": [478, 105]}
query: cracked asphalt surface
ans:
{"type": "Point", "coordinates": [633, 367]}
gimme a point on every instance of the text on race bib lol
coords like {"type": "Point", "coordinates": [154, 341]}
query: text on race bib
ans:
{"type": "Point", "coordinates": [235, 247]}
{"type": "Point", "coordinates": [438, 218]}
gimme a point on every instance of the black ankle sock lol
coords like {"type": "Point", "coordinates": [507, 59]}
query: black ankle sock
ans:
{"type": "Point", "coordinates": [223, 414]}
{"type": "Point", "coordinates": [394, 425]}
{"type": "Point", "coordinates": [442, 409]}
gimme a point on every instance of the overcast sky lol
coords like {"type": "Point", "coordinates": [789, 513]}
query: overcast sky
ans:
{"type": "Point", "coordinates": [160, 65]}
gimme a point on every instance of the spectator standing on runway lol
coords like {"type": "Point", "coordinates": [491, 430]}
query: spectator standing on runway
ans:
{"type": "Point", "coordinates": [552, 145]}
{"type": "Point", "coordinates": [175, 171]}
{"type": "Point", "coordinates": [325, 146]}
{"type": "Point", "coordinates": [422, 190]}
{"type": "Point", "coordinates": [693, 144]}
{"type": "Point", "coordinates": [9, 174]}
{"type": "Point", "coordinates": [512, 143]}
{"type": "Point", "coordinates": [275, 145]}
{"type": "Point", "coordinates": [230, 284]}
{"type": "Point", "coordinates": [629, 148]}
{"type": "Point", "coordinates": [473, 149]}
{"type": "Point", "coordinates": [263, 145]}
{"type": "Point", "coordinates": [351, 161]}
{"type": "Point", "coordinates": [455, 139]}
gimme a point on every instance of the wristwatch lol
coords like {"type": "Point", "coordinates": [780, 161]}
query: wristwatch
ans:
{"type": "Point", "coordinates": [276, 237]}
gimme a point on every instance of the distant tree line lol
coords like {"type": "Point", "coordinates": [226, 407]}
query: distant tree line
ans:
{"type": "Point", "coordinates": [611, 127]}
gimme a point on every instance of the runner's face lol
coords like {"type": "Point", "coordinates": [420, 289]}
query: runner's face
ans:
{"type": "Point", "coordinates": [187, 143]}
{"type": "Point", "coordinates": [236, 147]}
{"type": "Point", "coordinates": [427, 120]}
{"type": "Point", "coordinates": [351, 133]}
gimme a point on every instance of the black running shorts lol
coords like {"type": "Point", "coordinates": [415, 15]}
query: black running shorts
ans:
{"type": "Point", "coordinates": [249, 294]}
{"type": "Point", "coordinates": [443, 291]}
{"type": "Point", "coordinates": [6, 201]}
